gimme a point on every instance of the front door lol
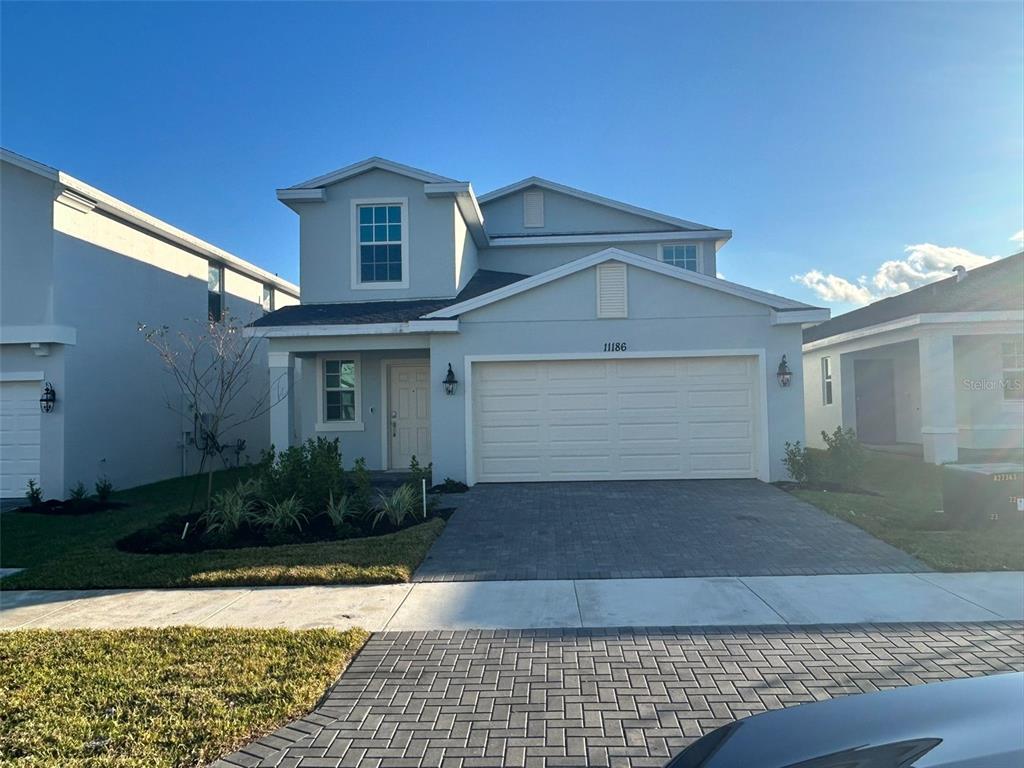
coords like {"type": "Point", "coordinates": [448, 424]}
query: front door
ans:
{"type": "Point", "coordinates": [409, 415]}
{"type": "Point", "coordinates": [875, 395]}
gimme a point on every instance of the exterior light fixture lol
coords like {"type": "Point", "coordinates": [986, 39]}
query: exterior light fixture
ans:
{"type": "Point", "coordinates": [47, 398]}
{"type": "Point", "coordinates": [784, 375]}
{"type": "Point", "coordinates": [450, 382]}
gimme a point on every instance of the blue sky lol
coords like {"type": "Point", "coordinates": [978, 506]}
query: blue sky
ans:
{"type": "Point", "coordinates": [829, 137]}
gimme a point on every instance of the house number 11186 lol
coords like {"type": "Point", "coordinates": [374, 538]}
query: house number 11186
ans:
{"type": "Point", "coordinates": [615, 346]}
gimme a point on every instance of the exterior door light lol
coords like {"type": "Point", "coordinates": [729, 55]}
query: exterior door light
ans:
{"type": "Point", "coordinates": [450, 382]}
{"type": "Point", "coordinates": [784, 375]}
{"type": "Point", "coordinates": [47, 398]}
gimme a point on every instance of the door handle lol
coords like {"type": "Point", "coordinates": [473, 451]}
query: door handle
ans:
{"type": "Point", "coordinates": [394, 429]}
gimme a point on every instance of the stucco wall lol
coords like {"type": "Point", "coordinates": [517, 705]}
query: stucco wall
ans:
{"type": "Point", "coordinates": [533, 259]}
{"type": "Point", "coordinates": [563, 214]}
{"type": "Point", "coordinates": [665, 315]}
{"type": "Point", "coordinates": [985, 418]}
{"type": "Point", "coordinates": [466, 256]}
{"type": "Point", "coordinates": [26, 247]}
{"type": "Point", "coordinates": [325, 241]}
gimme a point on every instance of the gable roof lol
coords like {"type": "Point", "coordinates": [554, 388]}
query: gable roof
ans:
{"type": "Point", "coordinates": [537, 181]}
{"type": "Point", "coordinates": [642, 262]}
{"type": "Point", "coordinates": [995, 286]}
{"type": "Point", "coordinates": [371, 312]}
{"type": "Point", "coordinates": [370, 164]}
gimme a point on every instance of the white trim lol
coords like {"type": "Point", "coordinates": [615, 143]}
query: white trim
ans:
{"type": "Point", "coordinates": [357, 283]}
{"type": "Point", "coordinates": [318, 195]}
{"type": "Point", "coordinates": [28, 164]}
{"type": "Point", "coordinates": [6, 376]}
{"type": "Point", "coordinates": [465, 200]}
{"type": "Point", "coordinates": [801, 316]}
{"type": "Point", "coordinates": [513, 241]}
{"type": "Point", "coordinates": [75, 201]}
{"type": "Point", "coordinates": [764, 460]}
{"type": "Point", "coordinates": [366, 329]}
{"type": "Point", "coordinates": [339, 426]}
{"type": "Point", "coordinates": [609, 254]}
{"type": "Point", "coordinates": [928, 318]}
{"type": "Point", "coordinates": [939, 430]}
{"type": "Point", "coordinates": [369, 164]}
{"type": "Point", "coordinates": [38, 334]}
{"type": "Point", "coordinates": [700, 255]}
{"type": "Point", "coordinates": [604, 270]}
{"type": "Point", "coordinates": [385, 399]}
{"type": "Point", "coordinates": [536, 181]}
{"type": "Point", "coordinates": [537, 197]}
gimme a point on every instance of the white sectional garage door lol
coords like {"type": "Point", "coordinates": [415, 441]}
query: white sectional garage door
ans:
{"type": "Point", "coordinates": [649, 418]}
{"type": "Point", "coordinates": [19, 436]}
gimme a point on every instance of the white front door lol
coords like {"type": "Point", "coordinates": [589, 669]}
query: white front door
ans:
{"type": "Point", "coordinates": [657, 418]}
{"type": "Point", "coordinates": [19, 438]}
{"type": "Point", "coordinates": [409, 415]}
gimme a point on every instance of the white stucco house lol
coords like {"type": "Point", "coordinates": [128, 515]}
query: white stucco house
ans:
{"type": "Point", "coordinates": [587, 339]}
{"type": "Point", "coordinates": [79, 270]}
{"type": "Point", "coordinates": [939, 369]}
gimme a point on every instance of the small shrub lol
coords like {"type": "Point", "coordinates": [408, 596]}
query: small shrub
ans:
{"type": "Point", "coordinates": [844, 457]}
{"type": "Point", "coordinates": [341, 511]}
{"type": "Point", "coordinates": [229, 510]}
{"type": "Point", "coordinates": [453, 486]}
{"type": "Point", "coordinates": [104, 488]}
{"type": "Point", "coordinates": [795, 461]}
{"type": "Point", "coordinates": [34, 494]}
{"type": "Point", "coordinates": [421, 478]}
{"type": "Point", "coordinates": [78, 492]}
{"type": "Point", "coordinates": [395, 508]}
{"type": "Point", "coordinates": [284, 515]}
{"type": "Point", "coordinates": [362, 485]}
{"type": "Point", "coordinates": [311, 471]}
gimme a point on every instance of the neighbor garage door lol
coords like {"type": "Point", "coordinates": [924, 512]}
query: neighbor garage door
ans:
{"type": "Point", "coordinates": [615, 419]}
{"type": "Point", "coordinates": [19, 436]}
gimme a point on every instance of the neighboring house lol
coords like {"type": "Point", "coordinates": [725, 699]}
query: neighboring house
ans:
{"type": "Point", "coordinates": [940, 367]}
{"type": "Point", "coordinates": [590, 339]}
{"type": "Point", "coordinates": [79, 270]}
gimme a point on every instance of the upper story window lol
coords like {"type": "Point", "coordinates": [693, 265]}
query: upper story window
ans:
{"type": "Point", "coordinates": [685, 256]}
{"type": "Point", "coordinates": [1013, 370]}
{"type": "Point", "coordinates": [215, 292]}
{"type": "Point", "coordinates": [381, 258]}
{"type": "Point", "coordinates": [826, 381]}
{"type": "Point", "coordinates": [267, 300]}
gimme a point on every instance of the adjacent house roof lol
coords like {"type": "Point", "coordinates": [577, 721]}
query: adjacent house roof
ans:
{"type": "Point", "coordinates": [995, 286]}
{"type": "Point", "coordinates": [373, 312]}
{"type": "Point", "coordinates": [536, 181]}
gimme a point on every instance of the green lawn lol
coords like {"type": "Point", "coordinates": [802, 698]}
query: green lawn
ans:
{"type": "Point", "coordinates": [157, 698]}
{"type": "Point", "coordinates": [78, 552]}
{"type": "Point", "coordinates": [905, 516]}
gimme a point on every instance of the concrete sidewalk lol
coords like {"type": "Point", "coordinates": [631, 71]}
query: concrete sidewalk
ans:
{"type": "Point", "coordinates": [721, 601]}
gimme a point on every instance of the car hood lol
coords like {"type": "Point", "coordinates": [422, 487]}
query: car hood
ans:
{"type": "Point", "coordinates": [970, 723]}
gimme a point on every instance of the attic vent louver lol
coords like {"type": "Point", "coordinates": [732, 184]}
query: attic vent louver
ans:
{"type": "Point", "coordinates": [533, 208]}
{"type": "Point", "coordinates": [611, 290]}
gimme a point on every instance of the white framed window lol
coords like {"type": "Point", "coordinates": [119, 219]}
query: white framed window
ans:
{"type": "Point", "coordinates": [1013, 370]}
{"type": "Point", "coordinates": [826, 381]}
{"type": "Point", "coordinates": [380, 243]}
{"type": "Point", "coordinates": [267, 300]}
{"type": "Point", "coordinates": [215, 292]}
{"type": "Point", "coordinates": [533, 208]}
{"type": "Point", "coordinates": [339, 393]}
{"type": "Point", "coordinates": [685, 255]}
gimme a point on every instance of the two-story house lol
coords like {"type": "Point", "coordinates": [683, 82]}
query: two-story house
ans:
{"type": "Point", "coordinates": [534, 333]}
{"type": "Point", "coordinates": [79, 270]}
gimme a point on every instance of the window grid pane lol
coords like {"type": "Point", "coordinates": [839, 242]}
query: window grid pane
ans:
{"type": "Point", "coordinates": [1013, 370]}
{"type": "Point", "coordinates": [339, 390]}
{"type": "Point", "coordinates": [380, 243]}
{"type": "Point", "coordinates": [684, 256]}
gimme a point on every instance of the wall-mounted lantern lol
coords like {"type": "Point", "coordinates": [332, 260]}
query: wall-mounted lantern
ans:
{"type": "Point", "coordinates": [47, 398]}
{"type": "Point", "coordinates": [450, 382]}
{"type": "Point", "coordinates": [784, 375]}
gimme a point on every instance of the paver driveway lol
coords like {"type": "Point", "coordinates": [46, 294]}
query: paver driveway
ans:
{"type": "Point", "coordinates": [648, 529]}
{"type": "Point", "coordinates": [601, 698]}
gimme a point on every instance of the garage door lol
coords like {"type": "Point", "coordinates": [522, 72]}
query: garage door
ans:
{"type": "Point", "coordinates": [657, 418]}
{"type": "Point", "coordinates": [19, 436]}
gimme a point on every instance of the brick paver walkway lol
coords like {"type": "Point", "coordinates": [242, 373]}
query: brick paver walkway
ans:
{"type": "Point", "coordinates": [648, 529]}
{"type": "Point", "coordinates": [602, 698]}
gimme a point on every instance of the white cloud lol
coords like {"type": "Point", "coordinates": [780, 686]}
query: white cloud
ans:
{"type": "Point", "coordinates": [923, 263]}
{"type": "Point", "coordinates": [1019, 237]}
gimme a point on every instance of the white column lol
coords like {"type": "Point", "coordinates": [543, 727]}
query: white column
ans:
{"type": "Point", "coordinates": [281, 385]}
{"type": "Point", "coordinates": [938, 398]}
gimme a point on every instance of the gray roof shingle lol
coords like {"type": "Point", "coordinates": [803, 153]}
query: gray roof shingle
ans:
{"type": "Point", "coordinates": [995, 286]}
{"type": "Point", "coordinates": [367, 312]}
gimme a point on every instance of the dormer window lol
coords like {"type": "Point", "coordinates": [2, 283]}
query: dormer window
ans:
{"type": "Point", "coordinates": [380, 247]}
{"type": "Point", "coordinates": [686, 256]}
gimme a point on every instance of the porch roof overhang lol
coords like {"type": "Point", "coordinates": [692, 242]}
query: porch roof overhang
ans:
{"type": "Point", "coordinates": [912, 326]}
{"type": "Point", "coordinates": [363, 329]}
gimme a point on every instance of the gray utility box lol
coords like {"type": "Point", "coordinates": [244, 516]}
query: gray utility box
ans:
{"type": "Point", "coordinates": [975, 495]}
